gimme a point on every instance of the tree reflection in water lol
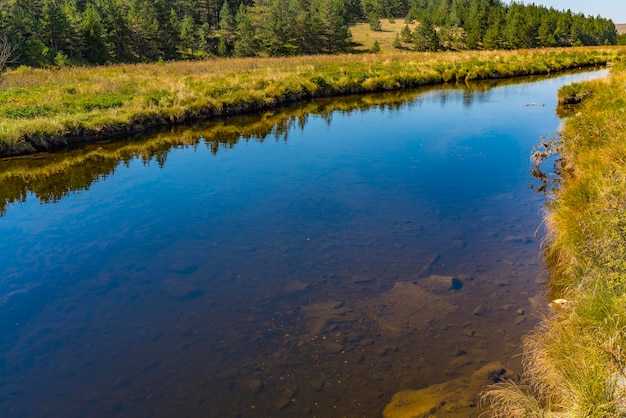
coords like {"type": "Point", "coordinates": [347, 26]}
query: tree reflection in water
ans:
{"type": "Point", "coordinates": [50, 177]}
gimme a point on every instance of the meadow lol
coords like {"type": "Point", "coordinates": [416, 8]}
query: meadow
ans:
{"type": "Point", "coordinates": [575, 363]}
{"type": "Point", "coordinates": [363, 37]}
{"type": "Point", "coordinates": [43, 108]}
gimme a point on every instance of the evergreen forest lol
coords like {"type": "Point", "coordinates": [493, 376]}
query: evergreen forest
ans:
{"type": "Point", "coordinates": [45, 33]}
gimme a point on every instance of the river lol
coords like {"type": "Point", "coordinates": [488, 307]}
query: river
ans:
{"type": "Point", "coordinates": [310, 261]}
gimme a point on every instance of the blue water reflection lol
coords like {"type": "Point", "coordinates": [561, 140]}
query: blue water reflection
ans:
{"type": "Point", "coordinates": [259, 280]}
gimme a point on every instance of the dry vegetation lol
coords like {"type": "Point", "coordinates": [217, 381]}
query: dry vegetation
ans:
{"type": "Point", "coordinates": [621, 28]}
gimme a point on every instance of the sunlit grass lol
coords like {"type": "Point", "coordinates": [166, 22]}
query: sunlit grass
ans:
{"type": "Point", "coordinates": [364, 37]}
{"type": "Point", "coordinates": [40, 107]}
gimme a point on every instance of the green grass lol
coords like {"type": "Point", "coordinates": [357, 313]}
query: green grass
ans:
{"type": "Point", "coordinates": [574, 93]}
{"type": "Point", "coordinates": [575, 362]}
{"type": "Point", "coordinates": [40, 108]}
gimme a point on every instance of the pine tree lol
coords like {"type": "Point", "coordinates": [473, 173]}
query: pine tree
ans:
{"type": "Point", "coordinates": [189, 39]}
{"type": "Point", "coordinates": [516, 32]}
{"type": "Point", "coordinates": [562, 30]}
{"type": "Point", "coordinates": [546, 31]}
{"type": "Point", "coordinates": [227, 20]}
{"type": "Point", "coordinates": [54, 25]}
{"type": "Point", "coordinates": [74, 44]}
{"type": "Point", "coordinates": [95, 50]}
{"type": "Point", "coordinates": [397, 42]}
{"type": "Point", "coordinates": [279, 26]}
{"type": "Point", "coordinates": [334, 32]}
{"type": "Point", "coordinates": [227, 27]}
{"type": "Point", "coordinates": [245, 44]}
{"type": "Point", "coordinates": [373, 10]}
{"type": "Point", "coordinates": [406, 34]}
{"type": "Point", "coordinates": [494, 33]}
{"type": "Point", "coordinates": [144, 28]}
{"type": "Point", "coordinates": [425, 36]}
{"type": "Point", "coordinates": [116, 33]}
{"type": "Point", "coordinates": [205, 38]}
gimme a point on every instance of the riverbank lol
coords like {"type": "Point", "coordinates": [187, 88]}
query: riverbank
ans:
{"type": "Point", "coordinates": [41, 109]}
{"type": "Point", "coordinates": [575, 363]}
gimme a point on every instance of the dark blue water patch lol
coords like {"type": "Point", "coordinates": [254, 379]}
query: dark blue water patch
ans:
{"type": "Point", "coordinates": [281, 277]}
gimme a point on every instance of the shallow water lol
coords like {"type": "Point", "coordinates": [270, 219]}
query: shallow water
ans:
{"type": "Point", "coordinates": [278, 265]}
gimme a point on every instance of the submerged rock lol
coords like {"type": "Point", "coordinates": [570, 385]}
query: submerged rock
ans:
{"type": "Point", "coordinates": [256, 386]}
{"type": "Point", "coordinates": [332, 347]}
{"type": "Point", "coordinates": [455, 398]}
{"type": "Point", "coordinates": [295, 286]}
{"type": "Point", "coordinates": [408, 308]}
{"type": "Point", "coordinates": [439, 284]}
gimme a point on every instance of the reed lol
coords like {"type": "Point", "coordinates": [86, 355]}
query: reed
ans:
{"type": "Point", "coordinates": [42, 108]}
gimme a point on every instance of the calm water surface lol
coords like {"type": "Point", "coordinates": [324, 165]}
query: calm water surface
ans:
{"type": "Point", "coordinates": [282, 275]}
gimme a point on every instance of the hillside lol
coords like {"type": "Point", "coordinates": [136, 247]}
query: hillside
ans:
{"type": "Point", "coordinates": [621, 28]}
{"type": "Point", "coordinates": [363, 37]}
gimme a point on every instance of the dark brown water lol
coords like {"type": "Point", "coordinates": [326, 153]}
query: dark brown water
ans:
{"type": "Point", "coordinates": [284, 265]}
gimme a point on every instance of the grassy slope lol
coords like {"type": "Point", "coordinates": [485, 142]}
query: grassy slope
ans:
{"type": "Point", "coordinates": [621, 28]}
{"type": "Point", "coordinates": [363, 37]}
{"type": "Point", "coordinates": [39, 108]}
{"type": "Point", "coordinates": [576, 362]}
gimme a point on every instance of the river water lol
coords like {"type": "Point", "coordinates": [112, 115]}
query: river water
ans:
{"type": "Point", "coordinates": [311, 261]}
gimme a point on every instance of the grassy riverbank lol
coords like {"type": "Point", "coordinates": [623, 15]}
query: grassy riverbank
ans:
{"type": "Point", "coordinates": [575, 364]}
{"type": "Point", "coordinates": [41, 108]}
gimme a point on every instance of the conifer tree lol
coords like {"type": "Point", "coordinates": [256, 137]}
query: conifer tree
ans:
{"type": "Point", "coordinates": [425, 36]}
{"type": "Point", "coordinates": [546, 31]}
{"type": "Point", "coordinates": [100, 31]}
{"type": "Point", "coordinates": [397, 42]}
{"type": "Point", "coordinates": [95, 50]}
{"type": "Point", "coordinates": [245, 44]}
{"type": "Point", "coordinates": [227, 27]}
{"type": "Point", "coordinates": [493, 38]}
{"type": "Point", "coordinates": [189, 39]}
{"type": "Point", "coordinates": [334, 32]}
{"type": "Point", "coordinates": [54, 25]}
{"type": "Point", "coordinates": [406, 34]}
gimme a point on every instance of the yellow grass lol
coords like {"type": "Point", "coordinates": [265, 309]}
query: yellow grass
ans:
{"type": "Point", "coordinates": [363, 37]}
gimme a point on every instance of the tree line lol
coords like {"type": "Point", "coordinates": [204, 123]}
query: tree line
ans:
{"type": "Point", "coordinates": [490, 24]}
{"type": "Point", "coordinates": [59, 32]}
